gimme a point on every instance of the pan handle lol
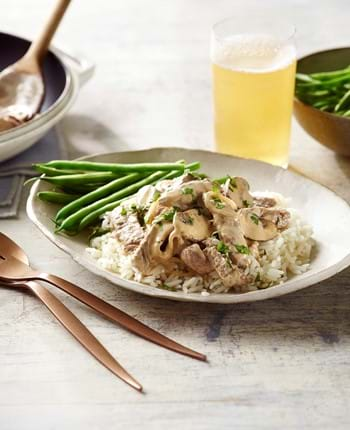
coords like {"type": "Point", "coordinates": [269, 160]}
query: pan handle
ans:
{"type": "Point", "coordinates": [83, 67]}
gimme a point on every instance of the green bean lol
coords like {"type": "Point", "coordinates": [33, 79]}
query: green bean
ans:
{"type": "Point", "coordinates": [325, 84]}
{"type": "Point", "coordinates": [326, 91]}
{"type": "Point", "coordinates": [80, 188]}
{"type": "Point", "coordinates": [96, 195]}
{"type": "Point", "coordinates": [324, 102]}
{"type": "Point", "coordinates": [83, 178]}
{"type": "Point", "coordinates": [302, 77]}
{"type": "Point", "coordinates": [51, 171]}
{"type": "Point", "coordinates": [55, 197]}
{"type": "Point", "coordinates": [344, 102]}
{"type": "Point", "coordinates": [329, 75]}
{"type": "Point", "coordinates": [115, 167]}
{"type": "Point", "coordinates": [175, 173]}
{"type": "Point", "coordinates": [94, 215]}
{"type": "Point", "coordinates": [72, 221]}
{"type": "Point", "coordinates": [319, 93]}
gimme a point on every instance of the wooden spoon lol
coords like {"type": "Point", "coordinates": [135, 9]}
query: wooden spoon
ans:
{"type": "Point", "coordinates": [22, 86]}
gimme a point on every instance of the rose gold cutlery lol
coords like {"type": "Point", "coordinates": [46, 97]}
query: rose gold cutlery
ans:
{"type": "Point", "coordinates": [21, 84]}
{"type": "Point", "coordinates": [78, 330]}
{"type": "Point", "coordinates": [15, 271]}
{"type": "Point", "coordinates": [14, 268]}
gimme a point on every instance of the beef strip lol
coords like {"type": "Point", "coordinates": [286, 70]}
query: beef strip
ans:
{"type": "Point", "coordinates": [229, 273]}
{"type": "Point", "coordinates": [195, 259]}
{"type": "Point", "coordinates": [128, 231]}
{"type": "Point", "coordinates": [264, 202]}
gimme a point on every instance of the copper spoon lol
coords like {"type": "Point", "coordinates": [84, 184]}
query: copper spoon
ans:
{"type": "Point", "coordinates": [16, 268]}
{"type": "Point", "coordinates": [78, 330]}
{"type": "Point", "coordinates": [22, 86]}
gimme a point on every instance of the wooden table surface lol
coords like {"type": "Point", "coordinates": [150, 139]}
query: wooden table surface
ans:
{"type": "Point", "coordinates": [281, 363]}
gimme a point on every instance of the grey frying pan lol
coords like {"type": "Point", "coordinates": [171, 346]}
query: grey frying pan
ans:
{"type": "Point", "coordinates": [63, 75]}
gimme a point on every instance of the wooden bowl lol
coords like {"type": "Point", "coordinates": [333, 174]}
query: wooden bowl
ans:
{"type": "Point", "coordinates": [330, 130]}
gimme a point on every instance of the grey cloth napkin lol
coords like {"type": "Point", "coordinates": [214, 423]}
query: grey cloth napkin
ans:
{"type": "Point", "coordinates": [13, 172]}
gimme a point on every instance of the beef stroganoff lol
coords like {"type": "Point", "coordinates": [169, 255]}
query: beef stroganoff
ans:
{"type": "Point", "coordinates": [194, 234]}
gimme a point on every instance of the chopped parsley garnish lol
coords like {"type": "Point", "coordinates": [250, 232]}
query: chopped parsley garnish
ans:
{"type": "Point", "coordinates": [216, 187]}
{"type": "Point", "coordinates": [242, 249]}
{"type": "Point", "coordinates": [197, 175]}
{"type": "Point", "coordinates": [139, 211]}
{"type": "Point", "coordinates": [166, 216]}
{"type": "Point", "coordinates": [225, 250]}
{"type": "Point", "coordinates": [218, 203]}
{"type": "Point", "coordinates": [167, 287]}
{"type": "Point", "coordinates": [188, 219]}
{"type": "Point", "coordinates": [187, 190]}
{"type": "Point", "coordinates": [254, 217]}
{"type": "Point", "coordinates": [246, 204]}
{"type": "Point", "coordinates": [123, 211]}
{"type": "Point", "coordinates": [169, 215]}
{"type": "Point", "coordinates": [156, 196]}
{"type": "Point", "coordinates": [98, 231]}
{"type": "Point", "coordinates": [222, 248]}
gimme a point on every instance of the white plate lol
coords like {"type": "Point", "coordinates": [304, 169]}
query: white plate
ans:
{"type": "Point", "coordinates": [328, 214]}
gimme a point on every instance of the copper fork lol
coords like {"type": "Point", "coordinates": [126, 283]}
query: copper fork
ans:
{"type": "Point", "coordinates": [77, 329]}
{"type": "Point", "coordinates": [15, 268]}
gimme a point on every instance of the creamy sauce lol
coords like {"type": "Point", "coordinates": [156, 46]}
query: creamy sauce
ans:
{"type": "Point", "coordinates": [21, 95]}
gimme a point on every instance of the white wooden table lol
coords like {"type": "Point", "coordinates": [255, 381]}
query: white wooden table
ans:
{"type": "Point", "coordinates": [282, 363]}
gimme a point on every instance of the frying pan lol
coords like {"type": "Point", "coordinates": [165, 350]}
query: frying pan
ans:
{"type": "Point", "coordinates": [63, 76]}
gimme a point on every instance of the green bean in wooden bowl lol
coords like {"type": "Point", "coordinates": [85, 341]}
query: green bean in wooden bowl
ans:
{"type": "Point", "coordinates": [322, 98]}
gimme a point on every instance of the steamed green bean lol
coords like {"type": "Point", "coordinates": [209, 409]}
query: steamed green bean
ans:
{"type": "Point", "coordinates": [87, 178]}
{"type": "Point", "coordinates": [94, 215]}
{"type": "Point", "coordinates": [327, 91]}
{"type": "Point", "coordinates": [115, 167]}
{"type": "Point", "coordinates": [56, 197]}
{"type": "Point", "coordinates": [96, 195]}
{"type": "Point", "coordinates": [72, 221]}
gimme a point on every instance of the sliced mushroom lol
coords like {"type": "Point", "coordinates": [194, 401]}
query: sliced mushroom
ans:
{"type": "Point", "coordinates": [191, 225]}
{"type": "Point", "coordinates": [217, 203]}
{"type": "Point", "coordinates": [254, 227]}
{"type": "Point", "coordinates": [262, 223]}
{"type": "Point", "coordinates": [229, 229]}
{"type": "Point", "coordinates": [185, 196]}
{"type": "Point", "coordinates": [155, 247]}
{"type": "Point", "coordinates": [238, 191]}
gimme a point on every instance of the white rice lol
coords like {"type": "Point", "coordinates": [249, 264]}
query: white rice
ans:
{"type": "Point", "coordinates": [288, 254]}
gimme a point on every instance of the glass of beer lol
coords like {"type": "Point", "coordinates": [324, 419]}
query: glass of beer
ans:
{"type": "Point", "coordinates": [253, 83]}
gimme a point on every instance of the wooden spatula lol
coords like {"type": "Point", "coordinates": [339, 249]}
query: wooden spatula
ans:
{"type": "Point", "coordinates": [22, 86]}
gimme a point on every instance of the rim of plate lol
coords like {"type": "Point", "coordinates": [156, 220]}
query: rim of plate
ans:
{"type": "Point", "coordinates": [292, 285]}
